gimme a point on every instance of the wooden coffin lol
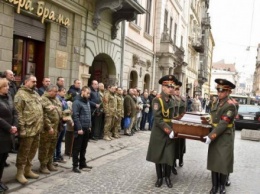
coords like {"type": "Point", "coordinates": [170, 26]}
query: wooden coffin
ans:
{"type": "Point", "coordinates": [192, 125]}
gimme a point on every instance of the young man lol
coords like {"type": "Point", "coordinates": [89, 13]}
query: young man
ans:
{"type": "Point", "coordinates": [82, 127]}
{"type": "Point", "coordinates": [161, 146]}
{"type": "Point", "coordinates": [221, 138]}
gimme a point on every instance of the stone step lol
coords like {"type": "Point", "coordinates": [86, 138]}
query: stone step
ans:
{"type": "Point", "coordinates": [253, 135]}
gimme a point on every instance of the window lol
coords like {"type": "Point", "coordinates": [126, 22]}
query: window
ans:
{"type": "Point", "coordinates": [148, 17]}
{"type": "Point", "coordinates": [165, 20]}
{"type": "Point", "coordinates": [171, 20]}
{"type": "Point", "coordinates": [175, 34]}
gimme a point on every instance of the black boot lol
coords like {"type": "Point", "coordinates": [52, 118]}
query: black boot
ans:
{"type": "Point", "coordinates": [174, 170]}
{"type": "Point", "coordinates": [159, 181]}
{"type": "Point", "coordinates": [168, 175]}
{"type": "Point", "coordinates": [181, 161]}
{"type": "Point", "coordinates": [228, 182]}
{"type": "Point", "coordinates": [223, 180]}
{"type": "Point", "coordinates": [214, 177]}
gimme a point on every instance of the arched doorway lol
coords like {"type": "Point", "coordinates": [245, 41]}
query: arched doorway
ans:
{"type": "Point", "coordinates": [133, 79]}
{"type": "Point", "coordinates": [147, 82]}
{"type": "Point", "coordinates": [103, 70]}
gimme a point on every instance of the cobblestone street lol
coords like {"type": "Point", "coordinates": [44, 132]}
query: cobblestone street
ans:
{"type": "Point", "coordinates": [127, 171]}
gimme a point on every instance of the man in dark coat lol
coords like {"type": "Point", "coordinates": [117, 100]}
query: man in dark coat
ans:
{"type": "Point", "coordinates": [161, 145]}
{"type": "Point", "coordinates": [97, 111]}
{"type": "Point", "coordinates": [129, 110]}
{"type": "Point", "coordinates": [74, 90]}
{"type": "Point", "coordinates": [45, 83]}
{"type": "Point", "coordinates": [221, 138]}
{"type": "Point", "coordinates": [9, 75]}
{"type": "Point", "coordinates": [180, 143]}
{"type": "Point", "coordinates": [82, 127]}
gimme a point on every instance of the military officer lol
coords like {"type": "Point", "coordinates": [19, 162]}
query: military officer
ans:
{"type": "Point", "coordinates": [30, 118]}
{"type": "Point", "coordinates": [161, 146]}
{"type": "Point", "coordinates": [220, 139]}
{"type": "Point", "coordinates": [110, 106]}
{"type": "Point", "coordinates": [120, 112]}
{"type": "Point", "coordinates": [52, 116]}
{"type": "Point", "coordinates": [180, 109]}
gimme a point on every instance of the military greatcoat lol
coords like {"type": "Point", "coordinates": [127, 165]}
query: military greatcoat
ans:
{"type": "Point", "coordinates": [221, 149]}
{"type": "Point", "coordinates": [161, 147]}
{"type": "Point", "coordinates": [180, 143]}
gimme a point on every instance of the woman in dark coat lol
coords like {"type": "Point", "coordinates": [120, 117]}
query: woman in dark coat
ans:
{"type": "Point", "coordinates": [8, 122]}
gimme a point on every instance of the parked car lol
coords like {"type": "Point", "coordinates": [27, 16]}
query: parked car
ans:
{"type": "Point", "coordinates": [248, 117]}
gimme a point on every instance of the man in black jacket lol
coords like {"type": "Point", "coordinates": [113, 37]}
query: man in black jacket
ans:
{"type": "Point", "coordinates": [74, 90]}
{"type": "Point", "coordinates": [82, 127]}
{"type": "Point", "coordinates": [45, 83]}
{"type": "Point", "coordinates": [96, 110]}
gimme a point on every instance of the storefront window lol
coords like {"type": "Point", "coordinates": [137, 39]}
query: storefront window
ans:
{"type": "Point", "coordinates": [18, 59]}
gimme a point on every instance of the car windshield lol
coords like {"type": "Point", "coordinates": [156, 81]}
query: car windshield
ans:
{"type": "Point", "coordinates": [249, 109]}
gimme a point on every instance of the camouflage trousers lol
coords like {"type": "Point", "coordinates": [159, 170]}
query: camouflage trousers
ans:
{"type": "Point", "coordinates": [47, 148]}
{"type": "Point", "coordinates": [27, 150]}
{"type": "Point", "coordinates": [117, 127]}
{"type": "Point", "coordinates": [109, 125]}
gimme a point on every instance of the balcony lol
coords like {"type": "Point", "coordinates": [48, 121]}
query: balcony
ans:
{"type": "Point", "coordinates": [198, 45]}
{"type": "Point", "coordinates": [122, 10]}
{"type": "Point", "coordinates": [203, 76]}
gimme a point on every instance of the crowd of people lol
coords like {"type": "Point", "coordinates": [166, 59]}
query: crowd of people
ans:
{"type": "Point", "coordinates": [38, 119]}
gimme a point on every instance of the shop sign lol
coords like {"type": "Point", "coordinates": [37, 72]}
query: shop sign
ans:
{"type": "Point", "coordinates": [40, 10]}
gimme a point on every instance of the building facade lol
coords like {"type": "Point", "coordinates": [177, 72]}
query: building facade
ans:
{"type": "Point", "coordinates": [256, 80]}
{"type": "Point", "coordinates": [75, 39]}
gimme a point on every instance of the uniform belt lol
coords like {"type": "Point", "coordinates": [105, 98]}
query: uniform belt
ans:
{"type": "Point", "coordinates": [167, 120]}
{"type": "Point", "coordinates": [216, 124]}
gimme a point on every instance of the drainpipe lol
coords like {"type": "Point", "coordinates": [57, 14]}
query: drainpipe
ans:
{"type": "Point", "coordinates": [122, 52]}
{"type": "Point", "coordinates": [154, 46]}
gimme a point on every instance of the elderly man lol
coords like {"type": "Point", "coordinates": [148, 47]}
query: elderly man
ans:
{"type": "Point", "coordinates": [129, 111]}
{"type": "Point", "coordinates": [9, 75]}
{"type": "Point", "coordinates": [96, 110]}
{"type": "Point", "coordinates": [52, 116]}
{"type": "Point", "coordinates": [30, 119]}
{"type": "Point", "coordinates": [45, 83]}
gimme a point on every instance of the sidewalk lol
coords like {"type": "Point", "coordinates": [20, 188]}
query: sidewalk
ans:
{"type": "Point", "coordinates": [95, 150]}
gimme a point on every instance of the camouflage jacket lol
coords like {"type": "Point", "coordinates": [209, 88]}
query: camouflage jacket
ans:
{"type": "Point", "coordinates": [120, 106]}
{"type": "Point", "coordinates": [110, 104]}
{"type": "Point", "coordinates": [52, 109]}
{"type": "Point", "coordinates": [29, 110]}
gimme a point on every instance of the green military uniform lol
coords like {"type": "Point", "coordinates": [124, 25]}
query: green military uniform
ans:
{"type": "Point", "coordinates": [119, 114]}
{"type": "Point", "coordinates": [221, 144]}
{"type": "Point", "coordinates": [180, 143]}
{"type": "Point", "coordinates": [161, 146]}
{"type": "Point", "coordinates": [110, 108]}
{"type": "Point", "coordinates": [30, 118]}
{"type": "Point", "coordinates": [52, 115]}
